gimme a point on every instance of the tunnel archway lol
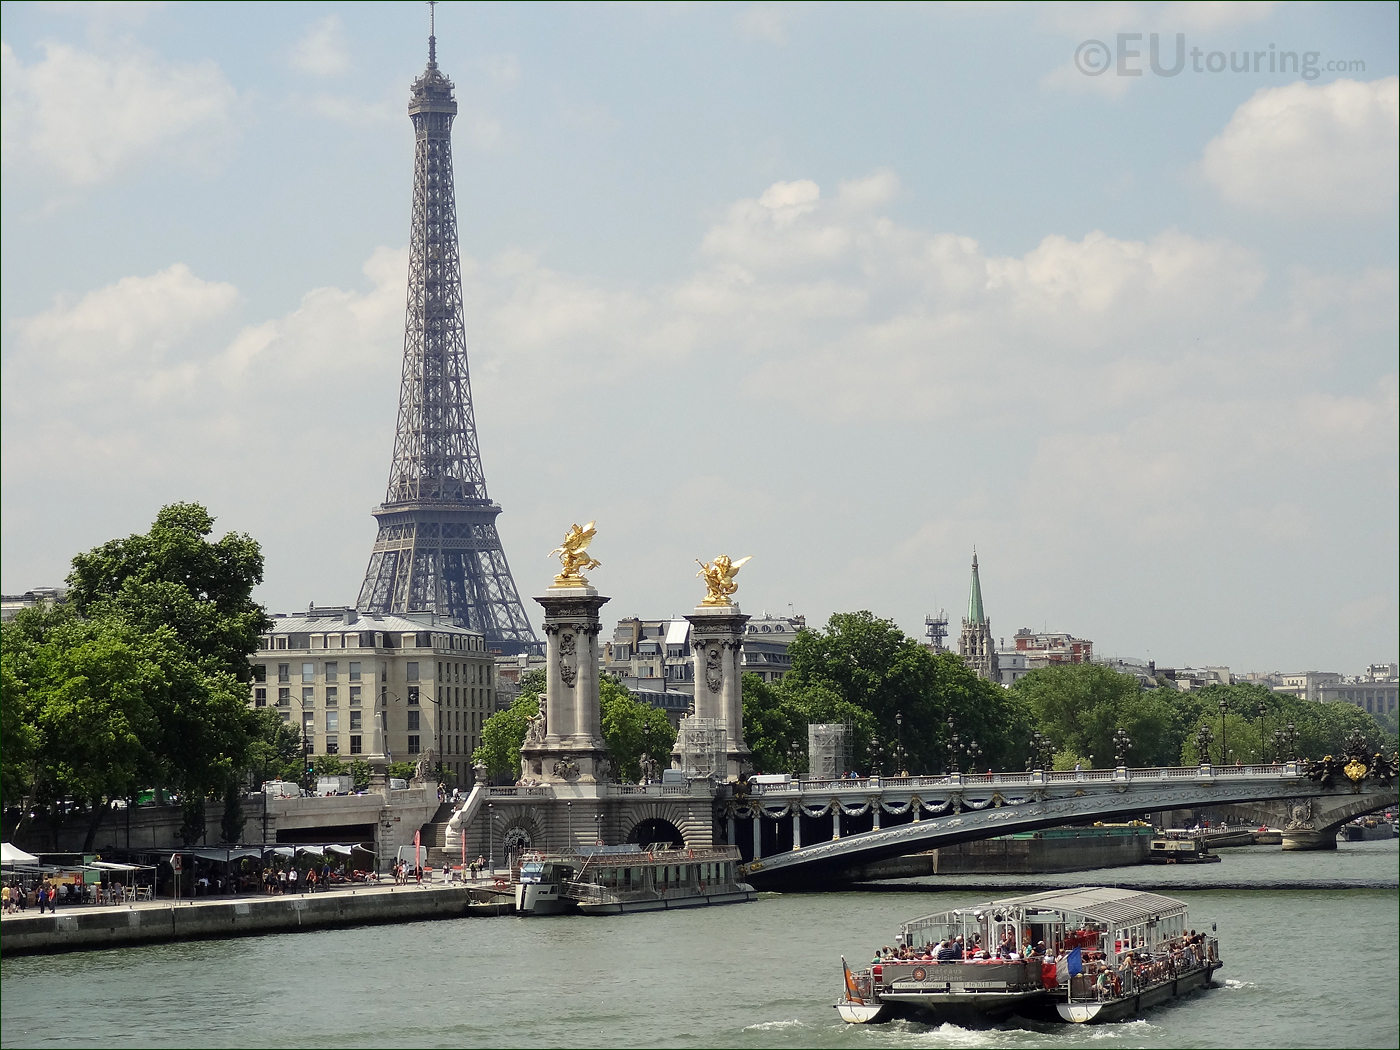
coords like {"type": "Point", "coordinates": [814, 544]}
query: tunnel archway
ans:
{"type": "Point", "coordinates": [654, 830]}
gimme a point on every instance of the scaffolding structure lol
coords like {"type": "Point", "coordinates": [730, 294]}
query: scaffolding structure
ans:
{"type": "Point", "coordinates": [701, 746]}
{"type": "Point", "coordinates": [829, 749]}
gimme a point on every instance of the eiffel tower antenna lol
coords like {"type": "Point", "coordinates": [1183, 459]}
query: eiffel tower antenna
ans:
{"type": "Point", "coordinates": [438, 550]}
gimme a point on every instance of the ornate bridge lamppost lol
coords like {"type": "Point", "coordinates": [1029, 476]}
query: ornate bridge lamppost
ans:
{"type": "Point", "coordinates": [974, 752]}
{"type": "Point", "coordinates": [877, 756]}
{"type": "Point", "coordinates": [1290, 741]}
{"type": "Point", "coordinates": [952, 747]}
{"type": "Point", "coordinates": [1121, 743]}
{"type": "Point", "coordinates": [1222, 732]}
{"type": "Point", "coordinates": [795, 758]}
{"type": "Point", "coordinates": [1263, 755]}
{"type": "Point", "coordinates": [1040, 751]}
{"type": "Point", "coordinates": [899, 743]}
{"type": "Point", "coordinates": [1204, 736]}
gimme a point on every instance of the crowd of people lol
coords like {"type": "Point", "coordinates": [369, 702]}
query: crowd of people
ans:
{"type": "Point", "coordinates": [48, 892]}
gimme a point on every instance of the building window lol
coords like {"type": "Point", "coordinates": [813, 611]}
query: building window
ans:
{"type": "Point", "coordinates": [259, 697]}
{"type": "Point", "coordinates": [354, 720]}
{"type": "Point", "coordinates": [308, 696]}
{"type": "Point", "coordinates": [414, 748]}
{"type": "Point", "coordinates": [332, 696]}
{"type": "Point", "coordinates": [355, 746]}
{"type": "Point", "coordinates": [413, 721]}
{"type": "Point", "coordinates": [411, 670]}
{"type": "Point", "coordinates": [308, 721]}
{"type": "Point", "coordinates": [355, 696]}
{"type": "Point", "coordinates": [332, 671]}
{"type": "Point", "coordinates": [260, 672]}
{"type": "Point", "coordinates": [354, 670]}
{"type": "Point", "coordinates": [332, 746]}
{"type": "Point", "coordinates": [413, 695]}
{"type": "Point", "coordinates": [332, 721]}
{"type": "Point", "coordinates": [284, 697]}
{"type": "Point", "coordinates": [286, 716]}
{"type": "Point", "coordinates": [308, 672]}
{"type": "Point", "coordinates": [284, 672]}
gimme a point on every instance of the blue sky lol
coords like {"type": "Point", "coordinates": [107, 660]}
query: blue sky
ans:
{"type": "Point", "coordinates": [852, 289]}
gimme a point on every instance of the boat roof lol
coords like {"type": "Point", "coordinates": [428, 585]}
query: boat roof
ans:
{"type": "Point", "coordinates": [1100, 903]}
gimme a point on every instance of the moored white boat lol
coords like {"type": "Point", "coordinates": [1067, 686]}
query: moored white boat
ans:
{"type": "Point", "coordinates": [612, 880]}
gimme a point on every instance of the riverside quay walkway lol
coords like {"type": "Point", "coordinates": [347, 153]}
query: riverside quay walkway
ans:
{"type": "Point", "coordinates": [77, 927]}
{"type": "Point", "coordinates": [811, 834]}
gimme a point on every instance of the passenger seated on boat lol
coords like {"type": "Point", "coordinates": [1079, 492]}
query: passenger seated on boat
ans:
{"type": "Point", "coordinates": [949, 952]}
{"type": "Point", "coordinates": [1007, 947]}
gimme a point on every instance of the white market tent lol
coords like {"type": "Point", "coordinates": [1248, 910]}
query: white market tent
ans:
{"type": "Point", "coordinates": [12, 856]}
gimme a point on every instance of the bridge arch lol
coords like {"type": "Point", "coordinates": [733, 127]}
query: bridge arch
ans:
{"type": "Point", "coordinates": [657, 822]}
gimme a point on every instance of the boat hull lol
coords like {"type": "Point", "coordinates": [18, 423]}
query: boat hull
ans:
{"type": "Point", "coordinates": [1108, 1010]}
{"type": "Point", "coordinates": [861, 1013]}
{"type": "Point", "coordinates": [671, 902]}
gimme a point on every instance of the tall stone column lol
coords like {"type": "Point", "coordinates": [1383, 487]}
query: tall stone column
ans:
{"type": "Point", "coordinates": [717, 639]}
{"type": "Point", "coordinates": [568, 747]}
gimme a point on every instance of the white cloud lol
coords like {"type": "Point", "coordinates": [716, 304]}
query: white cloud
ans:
{"type": "Point", "coordinates": [135, 322]}
{"type": "Point", "coordinates": [323, 51]}
{"type": "Point", "coordinates": [1303, 149]}
{"type": "Point", "coordinates": [85, 116]}
{"type": "Point", "coordinates": [767, 22]}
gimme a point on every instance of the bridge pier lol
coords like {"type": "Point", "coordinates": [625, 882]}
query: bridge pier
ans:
{"type": "Point", "coordinates": [1308, 839]}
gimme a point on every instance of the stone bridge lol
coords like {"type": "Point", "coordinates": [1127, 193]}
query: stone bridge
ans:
{"type": "Point", "coordinates": [806, 835]}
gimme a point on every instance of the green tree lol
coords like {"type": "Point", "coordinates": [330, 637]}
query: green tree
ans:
{"type": "Point", "coordinates": [329, 766]}
{"type": "Point", "coordinates": [502, 736]}
{"type": "Point", "coordinates": [275, 750]}
{"type": "Point", "coordinates": [361, 773]}
{"type": "Point", "coordinates": [630, 726]}
{"type": "Point", "coordinates": [895, 692]}
{"type": "Point", "coordinates": [140, 676]}
{"type": "Point", "coordinates": [1081, 707]}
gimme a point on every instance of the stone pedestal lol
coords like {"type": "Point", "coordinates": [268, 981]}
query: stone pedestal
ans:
{"type": "Point", "coordinates": [566, 746]}
{"type": "Point", "coordinates": [1309, 839]}
{"type": "Point", "coordinates": [717, 639]}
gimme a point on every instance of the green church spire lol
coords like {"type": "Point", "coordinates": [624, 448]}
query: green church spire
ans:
{"type": "Point", "coordinates": [974, 598]}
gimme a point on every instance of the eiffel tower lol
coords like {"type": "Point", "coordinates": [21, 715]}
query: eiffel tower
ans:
{"type": "Point", "coordinates": [438, 549]}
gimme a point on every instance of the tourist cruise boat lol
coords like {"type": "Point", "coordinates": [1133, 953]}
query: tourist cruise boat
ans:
{"type": "Point", "coordinates": [611, 880]}
{"type": "Point", "coordinates": [1107, 954]}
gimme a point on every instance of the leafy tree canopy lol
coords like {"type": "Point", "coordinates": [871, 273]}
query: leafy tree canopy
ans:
{"type": "Point", "coordinates": [140, 677]}
{"type": "Point", "coordinates": [897, 695]}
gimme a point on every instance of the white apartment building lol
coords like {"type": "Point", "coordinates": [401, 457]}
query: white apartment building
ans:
{"type": "Point", "coordinates": [389, 688]}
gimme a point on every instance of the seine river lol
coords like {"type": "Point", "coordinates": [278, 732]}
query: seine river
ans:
{"type": "Point", "coordinates": [1309, 940]}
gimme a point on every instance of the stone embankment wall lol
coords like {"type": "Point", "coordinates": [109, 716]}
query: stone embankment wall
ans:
{"type": "Point", "coordinates": [80, 927]}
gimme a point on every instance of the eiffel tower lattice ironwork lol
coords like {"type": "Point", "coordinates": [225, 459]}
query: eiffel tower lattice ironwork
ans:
{"type": "Point", "coordinates": [438, 549]}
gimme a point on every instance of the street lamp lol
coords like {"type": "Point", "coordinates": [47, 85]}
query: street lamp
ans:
{"type": "Point", "coordinates": [876, 756]}
{"type": "Point", "coordinates": [1121, 742]}
{"type": "Point", "coordinates": [1262, 756]}
{"type": "Point", "coordinates": [1222, 732]}
{"type": "Point", "coordinates": [598, 831]}
{"type": "Point", "coordinates": [491, 836]}
{"type": "Point", "coordinates": [794, 756]}
{"type": "Point", "coordinates": [1290, 741]}
{"type": "Point", "coordinates": [974, 752]}
{"type": "Point", "coordinates": [569, 822]}
{"type": "Point", "coordinates": [899, 742]}
{"type": "Point", "coordinates": [952, 747]}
